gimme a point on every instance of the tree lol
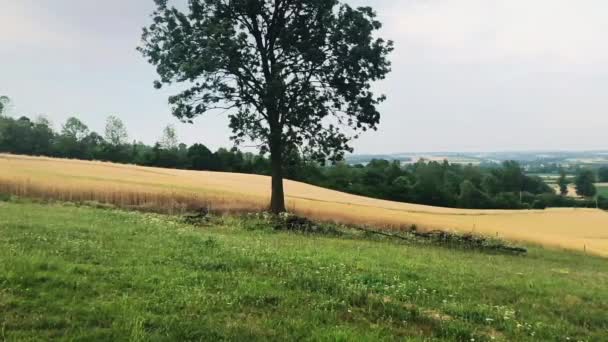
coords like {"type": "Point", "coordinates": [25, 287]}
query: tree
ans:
{"type": "Point", "coordinates": [491, 184]}
{"type": "Point", "coordinates": [169, 139]}
{"type": "Point", "coordinates": [602, 174]}
{"type": "Point", "coordinates": [42, 136]}
{"type": "Point", "coordinates": [201, 158]}
{"type": "Point", "coordinates": [290, 73]}
{"type": "Point", "coordinates": [512, 176]}
{"type": "Point", "coordinates": [471, 196]}
{"type": "Point", "coordinates": [116, 132]}
{"type": "Point", "coordinates": [563, 183]}
{"type": "Point", "coordinates": [75, 129]}
{"type": "Point", "coordinates": [43, 120]}
{"type": "Point", "coordinates": [71, 142]}
{"type": "Point", "coordinates": [4, 101]}
{"type": "Point", "coordinates": [585, 183]}
{"type": "Point", "coordinates": [16, 135]}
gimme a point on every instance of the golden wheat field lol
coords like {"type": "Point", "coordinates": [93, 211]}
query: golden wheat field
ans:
{"type": "Point", "coordinates": [178, 190]}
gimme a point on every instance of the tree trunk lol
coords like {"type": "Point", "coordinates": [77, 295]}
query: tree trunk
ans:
{"type": "Point", "coordinates": [277, 199]}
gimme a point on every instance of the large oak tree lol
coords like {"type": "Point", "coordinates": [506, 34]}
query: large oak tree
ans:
{"type": "Point", "coordinates": [293, 75]}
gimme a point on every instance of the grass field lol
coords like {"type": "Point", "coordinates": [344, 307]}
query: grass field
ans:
{"type": "Point", "coordinates": [79, 274]}
{"type": "Point", "coordinates": [602, 189]}
{"type": "Point", "coordinates": [177, 190]}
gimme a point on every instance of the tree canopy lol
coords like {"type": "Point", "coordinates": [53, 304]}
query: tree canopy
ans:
{"type": "Point", "coordinates": [602, 174]}
{"type": "Point", "coordinates": [291, 74]}
{"type": "Point", "coordinates": [585, 183]}
{"type": "Point", "coordinates": [563, 182]}
{"type": "Point", "coordinates": [4, 100]}
{"type": "Point", "coordinates": [168, 140]}
{"type": "Point", "coordinates": [116, 132]}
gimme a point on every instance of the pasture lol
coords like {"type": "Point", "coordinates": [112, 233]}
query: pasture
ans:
{"type": "Point", "coordinates": [175, 191]}
{"type": "Point", "coordinates": [602, 189]}
{"type": "Point", "coordinates": [76, 273]}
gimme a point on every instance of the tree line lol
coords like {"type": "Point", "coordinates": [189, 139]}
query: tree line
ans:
{"type": "Point", "coordinates": [75, 140]}
{"type": "Point", "coordinates": [504, 186]}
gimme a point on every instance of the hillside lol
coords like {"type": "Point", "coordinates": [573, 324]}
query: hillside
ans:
{"type": "Point", "coordinates": [169, 190]}
{"type": "Point", "coordinates": [78, 273]}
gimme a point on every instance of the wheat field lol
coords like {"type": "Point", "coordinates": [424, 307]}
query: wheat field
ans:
{"type": "Point", "coordinates": [179, 190]}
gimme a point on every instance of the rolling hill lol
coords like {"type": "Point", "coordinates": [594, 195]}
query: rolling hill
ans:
{"type": "Point", "coordinates": [174, 190]}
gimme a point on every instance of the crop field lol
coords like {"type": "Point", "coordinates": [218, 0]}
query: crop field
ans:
{"type": "Point", "coordinates": [548, 177]}
{"type": "Point", "coordinates": [602, 189]}
{"type": "Point", "coordinates": [174, 191]}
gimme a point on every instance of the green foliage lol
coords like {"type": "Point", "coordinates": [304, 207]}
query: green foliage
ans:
{"type": "Point", "coordinates": [201, 158]}
{"type": "Point", "coordinates": [602, 174]}
{"type": "Point", "coordinates": [24, 136]}
{"type": "Point", "coordinates": [585, 183]}
{"type": "Point", "coordinates": [4, 101]}
{"type": "Point", "coordinates": [290, 74]}
{"type": "Point", "coordinates": [169, 139]}
{"type": "Point", "coordinates": [508, 200]}
{"type": "Point", "coordinates": [74, 129]}
{"type": "Point", "coordinates": [511, 176]}
{"type": "Point", "coordinates": [116, 132]}
{"type": "Point", "coordinates": [563, 182]}
{"type": "Point", "coordinates": [283, 66]}
{"type": "Point", "coordinates": [471, 196]}
{"type": "Point", "coordinates": [78, 273]}
{"type": "Point", "coordinates": [440, 184]}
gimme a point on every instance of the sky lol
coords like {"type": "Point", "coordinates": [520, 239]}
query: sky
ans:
{"type": "Point", "coordinates": [468, 75]}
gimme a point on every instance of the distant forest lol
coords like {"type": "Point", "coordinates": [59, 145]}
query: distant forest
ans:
{"type": "Point", "coordinates": [504, 186]}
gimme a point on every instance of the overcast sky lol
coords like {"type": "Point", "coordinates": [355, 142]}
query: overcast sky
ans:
{"type": "Point", "coordinates": [468, 75]}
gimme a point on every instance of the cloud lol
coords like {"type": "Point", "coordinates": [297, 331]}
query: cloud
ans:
{"type": "Point", "coordinates": [73, 32]}
{"type": "Point", "coordinates": [551, 31]}
{"type": "Point", "coordinates": [22, 25]}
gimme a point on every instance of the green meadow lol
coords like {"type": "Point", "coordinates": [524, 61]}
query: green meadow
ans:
{"type": "Point", "coordinates": [79, 273]}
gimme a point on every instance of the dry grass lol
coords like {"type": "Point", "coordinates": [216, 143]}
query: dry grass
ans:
{"type": "Point", "coordinates": [571, 190]}
{"type": "Point", "coordinates": [178, 190]}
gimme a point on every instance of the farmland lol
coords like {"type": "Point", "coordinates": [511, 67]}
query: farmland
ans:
{"type": "Point", "coordinates": [71, 272]}
{"type": "Point", "coordinates": [175, 191]}
{"type": "Point", "coordinates": [602, 189]}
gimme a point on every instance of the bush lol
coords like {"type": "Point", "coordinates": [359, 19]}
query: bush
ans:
{"type": "Point", "coordinates": [539, 204]}
{"type": "Point", "coordinates": [4, 197]}
{"type": "Point", "coordinates": [602, 202]}
{"type": "Point", "coordinates": [507, 200]}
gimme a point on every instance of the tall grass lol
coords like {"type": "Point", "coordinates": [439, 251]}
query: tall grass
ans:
{"type": "Point", "coordinates": [168, 202]}
{"type": "Point", "coordinates": [176, 202]}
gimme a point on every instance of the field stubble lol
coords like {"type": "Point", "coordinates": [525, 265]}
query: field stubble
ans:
{"type": "Point", "coordinates": [177, 191]}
